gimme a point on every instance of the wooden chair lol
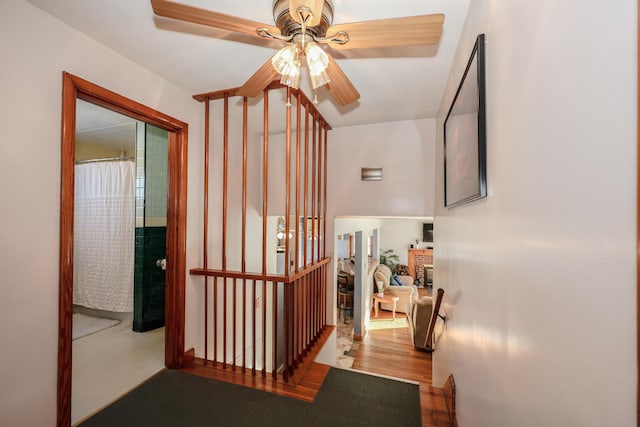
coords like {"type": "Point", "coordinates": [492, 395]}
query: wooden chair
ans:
{"type": "Point", "coordinates": [345, 292]}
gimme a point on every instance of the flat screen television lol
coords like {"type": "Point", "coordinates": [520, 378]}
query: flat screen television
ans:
{"type": "Point", "coordinates": [427, 233]}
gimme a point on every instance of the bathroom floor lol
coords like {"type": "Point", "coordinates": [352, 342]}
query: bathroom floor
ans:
{"type": "Point", "coordinates": [111, 362]}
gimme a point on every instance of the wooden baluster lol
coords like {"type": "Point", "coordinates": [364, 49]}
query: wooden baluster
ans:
{"type": "Point", "coordinates": [306, 186]}
{"type": "Point", "coordinates": [324, 295]}
{"type": "Point", "coordinates": [224, 323]}
{"type": "Point", "coordinates": [297, 311]}
{"type": "Point", "coordinates": [313, 193]}
{"type": "Point", "coordinates": [287, 312]}
{"type": "Point", "coordinates": [274, 372]}
{"type": "Point", "coordinates": [225, 172]}
{"type": "Point", "coordinates": [233, 324]}
{"type": "Point", "coordinates": [265, 206]}
{"type": "Point", "coordinates": [245, 108]}
{"type": "Point", "coordinates": [310, 310]}
{"type": "Point", "coordinates": [297, 210]}
{"type": "Point", "coordinates": [300, 318]}
{"type": "Point", "coordinates": [244, 326]}
{"type": "Point", "coordinates": [289, 330]}
{"type": "Point", "coordinates": [303, 321]}
{"type": "Point", "coordinates": [264, 329]}
{"type": "Point", "coordinates": [253, 330]}
{"type": "Point", "coordinates": [316, 313]}
{"type": "Point", "coordinates": [215, 320]}
{"type": "Point", "coordinates": [287, 171]}
{"type": "Point", "coordinates": [205, 227]}
{"type": "Point", "coordinates": [294, 325]}
{"type": "Point", "coordinates": [324, 214]}
{"type": "Point", "coordinates": [319, 191]}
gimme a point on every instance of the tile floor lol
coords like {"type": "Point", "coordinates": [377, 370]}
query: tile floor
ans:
{"type": "Point", "coordinates": [345, 347]}
{"type": "Point", "coordinates": [111, 362]}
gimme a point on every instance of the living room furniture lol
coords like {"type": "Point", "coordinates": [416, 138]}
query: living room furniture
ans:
{"type": "Point", "coordinates": [387, 299]}
{"type": "Point", "coordinates": [345, 292]}
{"type": "Point", "coordinates": [422, 317]}
{"type": "Point", "coordinates": [418, 318]}
{"type": "Point", "coordinates": [405, 293]}
{"type": "Point", "coordinates": [346, 266]}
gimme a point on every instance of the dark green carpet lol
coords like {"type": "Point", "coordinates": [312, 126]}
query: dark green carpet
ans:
{"type": "Point", "coordinates": [174, 398]}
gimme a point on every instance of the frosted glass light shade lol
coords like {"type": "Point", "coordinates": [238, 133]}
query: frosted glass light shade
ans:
{"type": "Point", "coordinates": [286, 61]}
{"type": "Point", "coordinates": [317, 61]}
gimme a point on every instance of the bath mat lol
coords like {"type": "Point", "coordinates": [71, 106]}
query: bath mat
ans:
{"type": "Point", "coordinates": [84, 325]}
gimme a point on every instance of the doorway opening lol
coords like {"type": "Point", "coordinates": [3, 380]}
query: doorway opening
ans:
{"type": "Point", "coordinates": [75, 88]}
{"type": "Point", "coordinates": [380, 255]}
{"type": "Point", "coordinates": [120, 226]}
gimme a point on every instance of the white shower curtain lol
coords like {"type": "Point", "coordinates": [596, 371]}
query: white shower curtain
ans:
{"type": "Point", "coordinates": [104, 235]}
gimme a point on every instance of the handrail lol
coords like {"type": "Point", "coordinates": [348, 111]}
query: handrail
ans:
{"type": "Point", "coordinates": [234, 274]}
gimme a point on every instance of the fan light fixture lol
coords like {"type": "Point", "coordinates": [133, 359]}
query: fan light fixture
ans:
{"type": "Point", "coordinates": [288, 64]}
{"type": "Point", "coordinates": [317, 62]}
{"type": "Point", "coordinates": [286, 61]}
{"type": "Point", "coordinates": [301, 23]}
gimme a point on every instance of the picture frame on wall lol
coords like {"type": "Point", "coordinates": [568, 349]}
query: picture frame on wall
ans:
{"type": "Point", "coordinates": [465, 135]}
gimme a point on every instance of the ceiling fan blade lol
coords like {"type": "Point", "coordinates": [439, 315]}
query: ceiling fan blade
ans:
{"type": "Point", "coordinates": [407, 31]}
{"type": "Point", "coordinates": [315, 6]}
{"type": "Point", "coordinates": [340, 86]}
{"type": "Point", "coordinates": [259, 80]}
{"type": "Point", "coordinates": [183, 12]}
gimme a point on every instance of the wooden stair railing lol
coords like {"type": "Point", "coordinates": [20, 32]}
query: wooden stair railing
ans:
{"type": "Point", "coordinates": [262, 321]}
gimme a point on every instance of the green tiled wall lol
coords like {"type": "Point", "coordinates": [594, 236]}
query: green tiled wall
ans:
{"type": "Point", "coordinates": [151, 230]}
{"type": "Point", "coordinates": [156, 159]}
{"type": "Point", "coordinates": [151, 245]}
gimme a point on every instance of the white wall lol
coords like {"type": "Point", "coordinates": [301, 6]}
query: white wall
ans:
{"type": "Point", "coordinates": [405, 151]}
{"type": "Point", "coordinates": [399, 234]}
{"type": "Point", "coordinates": [540, 276]}
{"type": "Point", "coordinates": [36, 48]}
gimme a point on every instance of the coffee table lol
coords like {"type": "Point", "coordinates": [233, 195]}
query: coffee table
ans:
{"type": "Point", "coordinates": [388, 298]}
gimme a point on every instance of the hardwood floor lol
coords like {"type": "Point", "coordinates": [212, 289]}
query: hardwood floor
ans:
{"type": "Point", "coordinates": [306, 389]}
{"type": "Point", "coordinates": [387, 351]}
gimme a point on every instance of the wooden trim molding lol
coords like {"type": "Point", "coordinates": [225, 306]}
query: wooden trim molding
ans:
{"type": "Point", "coordinates": [449, 391]}
{"type": "Point", "coordinates": [73, 88]}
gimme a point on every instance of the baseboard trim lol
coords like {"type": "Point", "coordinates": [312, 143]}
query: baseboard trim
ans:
{"type": "Point", "coordinates": [449, 390]}
{"type": "Point", "coordinates": [189, 356]}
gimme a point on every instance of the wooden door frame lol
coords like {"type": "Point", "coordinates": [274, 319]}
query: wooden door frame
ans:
{"type": "Point", "coordinates": [73, 88]}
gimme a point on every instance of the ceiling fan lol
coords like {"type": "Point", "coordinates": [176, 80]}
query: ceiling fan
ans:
{"type": "Point", "coordinates": [305, 25]}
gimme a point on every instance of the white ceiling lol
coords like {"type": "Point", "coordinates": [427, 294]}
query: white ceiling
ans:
{"type": "Point", "coordinates": [98, 126]}
{"type": "Point", "coordinates": [394, 83]}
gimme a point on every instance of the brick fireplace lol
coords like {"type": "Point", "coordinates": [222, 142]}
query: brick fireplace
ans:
{"type": "Point", "coordinates": [417, 259]}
